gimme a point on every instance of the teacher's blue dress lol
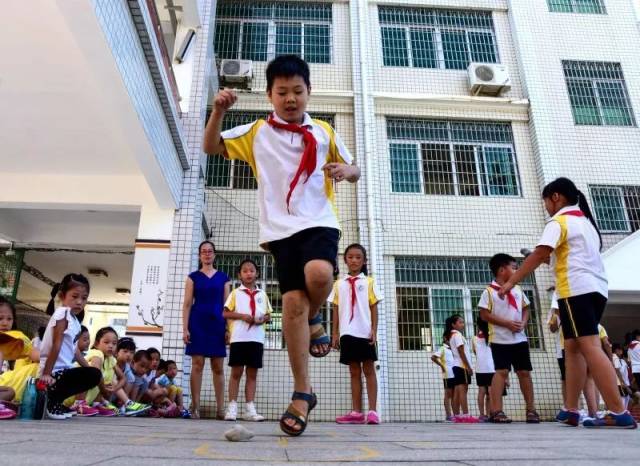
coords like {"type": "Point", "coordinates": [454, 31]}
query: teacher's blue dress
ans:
{"type": "Point", "coordinates": [206, 324]}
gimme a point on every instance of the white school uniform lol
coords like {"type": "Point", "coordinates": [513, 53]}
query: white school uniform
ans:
{"type": "Point", "coordinates": [68, 346]}
{"type": "Point", "coordinates": [484, 357]}
{"type": "Point", "coordinates": [367, 294]}
{"type": "Point", "coordinates": [240, 302]}
{"type": "Point", "coordinates": [634, 356]}
{"type": "Point", "coordinates": [455, 341]}
{"type": "Point", "coordinates": [576, 256]}
{"type": "Point", "coordinates": [503, 309]}
{"type": "Point", "coordinates": [621, 365]}
{"type": "Point", "coordinates": [274, 156]}
{"type": "Point", "coordinates": [445, 356]}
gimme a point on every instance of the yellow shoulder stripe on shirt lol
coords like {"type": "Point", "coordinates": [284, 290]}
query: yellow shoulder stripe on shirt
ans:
{"type": "Point", "coordinates": [238, 143]}
{"type": "Point", "coordinates": [232, 302]}
{"type": "Point", "coordinates": [562, 259]}
{"type": "Point", "coordinates": [373, 299]}
{"type": "Point", "coordinates": [332, 154]}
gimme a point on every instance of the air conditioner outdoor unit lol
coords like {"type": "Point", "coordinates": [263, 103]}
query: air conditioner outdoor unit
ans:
{"type": "Point", "coordinates": [488, 79]}
{"type": "Point", "coordinates": [237, 73]}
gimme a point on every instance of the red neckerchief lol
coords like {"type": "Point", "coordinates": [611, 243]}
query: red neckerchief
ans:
{"type": "Point", "coordinates": [309, 155]}
{"type": "Point", "coordinates": [573, 213]}
{"type": "Point", "coordinates": [633, 344]}
{"type": "Point", "coordinates": [352, 283]}
{"type": "Point", "coordinates": [510, 297]}
{"type": "Point", "coordinates": [252, 301]}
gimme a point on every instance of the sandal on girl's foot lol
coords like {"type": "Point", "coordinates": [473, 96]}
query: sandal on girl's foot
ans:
{"type": "Point", "coordinates": [318, 337]}
{"type": "Point", "coordinates": [195, 413]}
{"type": "Point", "coordinates": [298, 417]}
{"type": "Point", "coordinates": [533, 417]}
{"type": "Point", "coordinates": [499, 417]}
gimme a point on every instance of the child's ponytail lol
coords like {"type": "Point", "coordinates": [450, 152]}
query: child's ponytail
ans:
{"type": "Point", "coordinates": [568, 189]}
{"type": "Point", "coordinates": [51, 307]}
{"type": "Point", "coordinates": [586, 210]}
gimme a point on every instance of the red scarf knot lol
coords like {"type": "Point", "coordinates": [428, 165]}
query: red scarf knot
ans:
{"type": "Point", "coordinates": [252, 301]}
{"type": "Point", "coordinates": [309, 155]}
{"type": "Point", "coordinates": [510, 297]}
{"type": "Point", "coordinates": [354, 297]}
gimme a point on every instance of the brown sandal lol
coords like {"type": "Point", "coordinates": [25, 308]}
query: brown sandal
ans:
{"type": "Point", "coordinates": [499, 418]}
{"type": "Point", "coordinates": [298, 417]}
{"type": "Point", "coordinates": [319, 337]}
{"type": "Point", "coordinates": [533, 417]}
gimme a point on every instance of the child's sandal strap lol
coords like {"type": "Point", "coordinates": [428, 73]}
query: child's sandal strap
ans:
{"type": "Point", "coordinates": [316, 320]}
{"type": "Point", "coordinates": [295, 415]}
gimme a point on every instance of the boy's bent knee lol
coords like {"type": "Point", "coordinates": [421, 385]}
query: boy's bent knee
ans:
{"type": "Point", "coordinates": [318, 272]}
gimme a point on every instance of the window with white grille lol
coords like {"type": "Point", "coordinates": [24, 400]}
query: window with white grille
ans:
{"type": "Point", "coordinates": [236, 174]}
{"type": "Point", "coordinates": [462, 158]}
{"type": "Point", "coordinates": [577, 6]}
{"type": "Point", "coordinates": [434, 38]}
{"type": "Point", "coordinates": [428, 290]}
{"type": "Point", "coordinates": [260, 31]}
{"type": "Point", "coordinates": [616, 208]}
{"type": "Point", "coordinates": [598, 93]}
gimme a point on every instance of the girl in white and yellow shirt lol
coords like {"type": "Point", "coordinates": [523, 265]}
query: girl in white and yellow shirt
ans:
{"type": "Point", "coordinates": [571, 241]}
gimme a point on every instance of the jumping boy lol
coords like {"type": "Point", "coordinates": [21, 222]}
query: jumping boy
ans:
{"type": "Point", "coordinates": [507, 319]}
{"type": "Point", "coordinates": [295, 160]}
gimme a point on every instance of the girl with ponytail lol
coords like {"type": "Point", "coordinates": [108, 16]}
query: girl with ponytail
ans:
{"type": "Point", "coordinates": [572, 242]}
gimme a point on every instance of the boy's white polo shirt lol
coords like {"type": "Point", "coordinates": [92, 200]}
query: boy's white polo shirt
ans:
{"type": "Point", "coordinates": [501, 308]}
{"type": "Point", "coordinates": [455, 341]}
{"type": "Point", "coordinates": [274, 156]}
{"type": "Point", "coordinates": [367, 294]}
{"type": "Point", "coordinates": [576, 256]}
{"type": "Point", "coordinates": [240, 302]}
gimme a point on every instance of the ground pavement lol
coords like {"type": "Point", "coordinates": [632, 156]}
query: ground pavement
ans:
{"type": "Point", "coordinates": [157, 442]}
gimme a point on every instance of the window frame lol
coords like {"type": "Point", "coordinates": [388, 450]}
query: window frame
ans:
{"type": "Point", "coordinates": [272, 39]}
{"type": "Point", "coordinates": [622, 196]}
{"type": "Point", "coordinates": [436, 30]}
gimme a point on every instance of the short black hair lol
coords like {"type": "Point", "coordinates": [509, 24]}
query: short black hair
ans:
{"type": "Point", "coordinates": [153, 351]}
{"type": "Point", "coordinates": [126, 343]}
{"type": "Point", "coordinates": [6, 302]}
{"type": "Point", "coordinates": [616, 346]}
{"type": "Point", "coordinates": [141, 354]}
{"type": "Point", "coordinates": [500, 260]}
{"type": "Point", "coordinates": [287, 66]}
{"type": "Point", "coordinates": [635, 333]}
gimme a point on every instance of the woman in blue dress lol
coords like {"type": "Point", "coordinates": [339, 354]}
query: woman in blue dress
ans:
{"type": "Point", "coordinates": [204, 328]}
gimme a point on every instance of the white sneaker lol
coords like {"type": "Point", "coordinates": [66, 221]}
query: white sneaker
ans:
{"type": "Point", "coordinates": [251, 414]}
{"type": "Point", "coordinates": [232, 412]}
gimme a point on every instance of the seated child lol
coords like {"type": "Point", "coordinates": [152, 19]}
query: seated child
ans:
{"type": "Point", "coordinates": [110, 389]}
{"type": "Point", "coordinates": [153, 393]}
{"type": "Point", "coordinates": [139, 367]}
{"type": "Point", "coordinates": [124, 355]}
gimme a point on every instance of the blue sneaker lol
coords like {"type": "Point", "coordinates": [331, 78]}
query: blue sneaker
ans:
{"type": "Point", "coordinates": [621, 421]}
{"type": "Point", "coordinates": [569, 418]}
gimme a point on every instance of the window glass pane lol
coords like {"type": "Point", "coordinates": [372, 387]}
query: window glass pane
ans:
{"type": "Point", "coordinates": [561, 6]}
{"type": "Point", "coordinates": [218, 170]}
{"type": "Point", "coordinates": [438, 177]}
{"type": "Point", "coordinates": [423, 48]}
{"type": "Point", "coordinates": [609, 209]}
{"type": "Point", "coordinates": [483, 48]}
{"type": "Point", "coordinates": [405, 168]}
{"type": "Point", "coordinates": [414, 326]}
{"type": "Point", "coordinates": [588, 6]}
{"type": "Point", "coordinates": [584, 103]}
{"type": "Point", "coordinates": [429, 270]}
{"type": "Point", "coordinates": [445, 302]}
{"type": "Point", "coordinates": [466, 170]}
{"type": "Point", "coordinates": [456, 53]}
{"type": "Point", "coordinates": [317, 44]}
{"type": "Point", "coordinates": [632, 204]}
{"type": "Point", "coordinates": [227, 39]}
{"type": "Point", "coordinates": [254, 41]}
{"type": "Point", "coordinates": [394, 47]}
{"type": "Point", "coordinates": [288, 39]}
{"type": "Point", "coordinates": [401, 128]}
{"type": "Point", "coordinates": [500, 171]}
{"type": "Point", "coordinates": [243, 176]}
{"type": "Point", "coordinates": [613, 101]}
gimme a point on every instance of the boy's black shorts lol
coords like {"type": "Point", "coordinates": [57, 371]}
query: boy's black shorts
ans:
{"type": "Point", "coordinates": [460, 376]}
{"type": "Point", "coordinates": [292, 254]}
{"type": "Point", "coordinates": [561, 365]}
{"type": "Point", "coordinates": [580, 315]}
{"type": "Point", "coordinates": [449, 383]}
{"type": "Point", "coordinates": [516, 355]}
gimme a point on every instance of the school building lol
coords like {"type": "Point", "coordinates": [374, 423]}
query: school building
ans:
{"type": "Point", "coordinates": [457, 111]}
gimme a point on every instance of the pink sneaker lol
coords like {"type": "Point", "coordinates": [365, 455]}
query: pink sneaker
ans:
{"type": "Point", "coordinates": [81, 408]}
{"type": "Point", "coordinates": [373, 418]}
{"type": "Point", "coordinates": [353, 417]}
{"type": "Point", "coordinates": [104, 411]}
{"type": "Point", "coordinates": [466, 419]}
{"type": "Point", "coordinates": [6, 413]}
